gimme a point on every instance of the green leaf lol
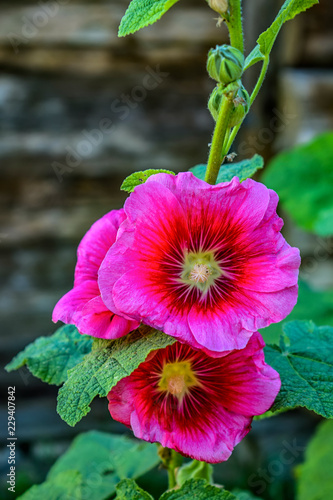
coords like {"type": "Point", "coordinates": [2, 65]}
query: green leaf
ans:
{"type": "Point", "coordinates": [304, 361]}
{"type": "Point", "coordinates": [138, 178]}
{"type": "Point", "coordinates": [303, 179]}
{"type": "Point", "coordinates": [49, 358]}
{"type": "Point", "coordinates": [103, 368]}
{"type": "Point", "coordinates": [311, 304]}
{"type": "Point", "coordinates": [288, 11]}
{"type": "Point", "coordinates": [67, 485]}
{"type": "Point", "coordinates": [128, 489]}
{"type": "Point", "coordinates": [141, 13]}
{"type": "Point", "coordinates": [198, 489]}
{"type": "Point", "coordinates": [315, 479]}
{"type": "Point", "coordinates": [95, 462]}
{"type": "Point", "coordinates": [242, 169]}
{"type": "Point", "coordinates": [194, 470]}
{"type": "Point", "coordinates": [199, 171]}
{"type": "Point", "coordinates": [254, 57]}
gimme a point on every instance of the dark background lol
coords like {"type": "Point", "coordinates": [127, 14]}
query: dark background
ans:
{"type": "Point", "coordinates": [61, 75]}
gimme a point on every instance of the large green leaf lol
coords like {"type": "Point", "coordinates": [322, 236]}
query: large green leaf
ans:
{"type": "Point", "coordinates": [198, 489]}
{"type": "Point", "coordinates": [303, 179]}
{"type": "Point", "coordinates": [95, 462]}
{"type": "Point", "coordinates": [288, 11]}
{"type": "Point", "coordinates": [141, 13]}
{"type": "Point", "coordinates": [103, 368]}
{"type": "Point", "coordinates": [242, 169]}
{"type": "Point", "coordinates": [49, 358]}
{"type": "Point", "coordinates": [127, 489]}
{"type": "Point", "coordinates": [315, 478]}
{"type": "Point", "coordinates": [304, 361]}
{"type": "Point", "coordinates": [138, 178]}
{"type": "Point", "coordinates": [311, 304]}
{"type": "Point", "coordinates": [67, 485]}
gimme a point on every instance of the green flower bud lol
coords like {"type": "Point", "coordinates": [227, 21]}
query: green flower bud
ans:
{"type": "Point", "coordinates": [225, 64]}
{"type": "Point", "coordinates": [220, 6]}
{"type": "Point", "coordinates": [242, 104]}
{"type": "Point", "coordinates": [214, 102]}
{"type": "Point", "coordinates": [240, 98]}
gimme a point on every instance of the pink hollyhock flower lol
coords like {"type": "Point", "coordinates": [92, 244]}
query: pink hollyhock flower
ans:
{"type": "Point", "coordinates": [83, 305]}
{"type": "Point", "coordinates": [198, 405]}
{"type": "Point", "coordinates": [205, 264]}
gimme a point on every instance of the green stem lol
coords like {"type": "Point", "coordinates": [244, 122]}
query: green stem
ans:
{"type": "Point", "coordinates": [219, 136]}
{"type": "Point", "coordinates": [171, 478]}
{"type": "Point", "coordinates": [171, 461]}
{"type": "Point", "coordinates": [234, 24]}
{"type": "Point", "coordinates": [252, 98]}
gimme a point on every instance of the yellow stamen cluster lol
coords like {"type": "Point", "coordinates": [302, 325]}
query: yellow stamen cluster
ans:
{"type": "Point", "coordinates": [177, 378]}
{"type": "Point", "coordinates": [200, 273]}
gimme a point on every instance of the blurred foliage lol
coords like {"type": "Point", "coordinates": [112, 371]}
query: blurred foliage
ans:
{"type": "Point", "coordinates": [311, 304]}
{"type": "Point", "coordinates": [315, 478]}
{"type": "Point", "coordinates": [93, 466]}
{"type": "Point", "coordinates": [303, 179]}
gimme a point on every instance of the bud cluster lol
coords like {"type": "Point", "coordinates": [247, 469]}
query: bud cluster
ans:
{"type": "Point", "coordinates": [225, 65]}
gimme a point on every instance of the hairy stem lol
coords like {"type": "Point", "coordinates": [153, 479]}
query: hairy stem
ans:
{"type": "Point", "coordinates": [252, 98]}
{"type": "Point", "coordinates": [234, 23]}
{"type": "Point", "coordinates": [219, 138]}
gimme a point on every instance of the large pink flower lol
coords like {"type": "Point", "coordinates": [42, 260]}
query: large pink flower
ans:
{"type": "Point", "coordinates": [198, 405]}
{"type": "Point", "coordinates": [205, 264]}
{"type": "Point", "coordinates": [83, 305]}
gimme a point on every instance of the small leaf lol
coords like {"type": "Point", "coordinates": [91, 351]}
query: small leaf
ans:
{"type": "Point", "coordinates": [198, 489]}
{"type": "Point", "coordinates": [303, 179]}
{"type": "Point", "coordinates": [288, 11]}
{"type": "Point", "coordinates": [68, 484]}
{"type": "Point", "coordinates": [49, 358]}
{"type": "Point", "coordinates": [128, 489]}
{"type": "Point", "coordinates": [138, 178]}
{"type": "Point", "coordinates": [315, 479]}
{"type": "Point", "coordinates": [141, 13]}
{"type": "Point", "coordinates": [194, 470]}
{"type": "Point", "coordinates": [254, 57]}
{"type": "Point", "coordinates": [93, 466]}
{"type": "Point", "coordinates": [242, 169]}
{"type": "Point", "coordinates": [305, 367]}
{"type": "Point", "coordinates": [103, 368]}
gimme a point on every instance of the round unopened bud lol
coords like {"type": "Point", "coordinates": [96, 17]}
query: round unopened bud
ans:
{"type": "Point", "coordinates": [225, 64]}
{"type": "Point", "coordinates": [220, 6]}
{"type": "Point", "coordinates": [241, 101]}
{"type": "Point", "coordinates": [241, 106]}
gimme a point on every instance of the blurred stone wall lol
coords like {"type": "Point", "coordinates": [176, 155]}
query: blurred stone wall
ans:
{"type": "Point", "coordinates": [80, 109]}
